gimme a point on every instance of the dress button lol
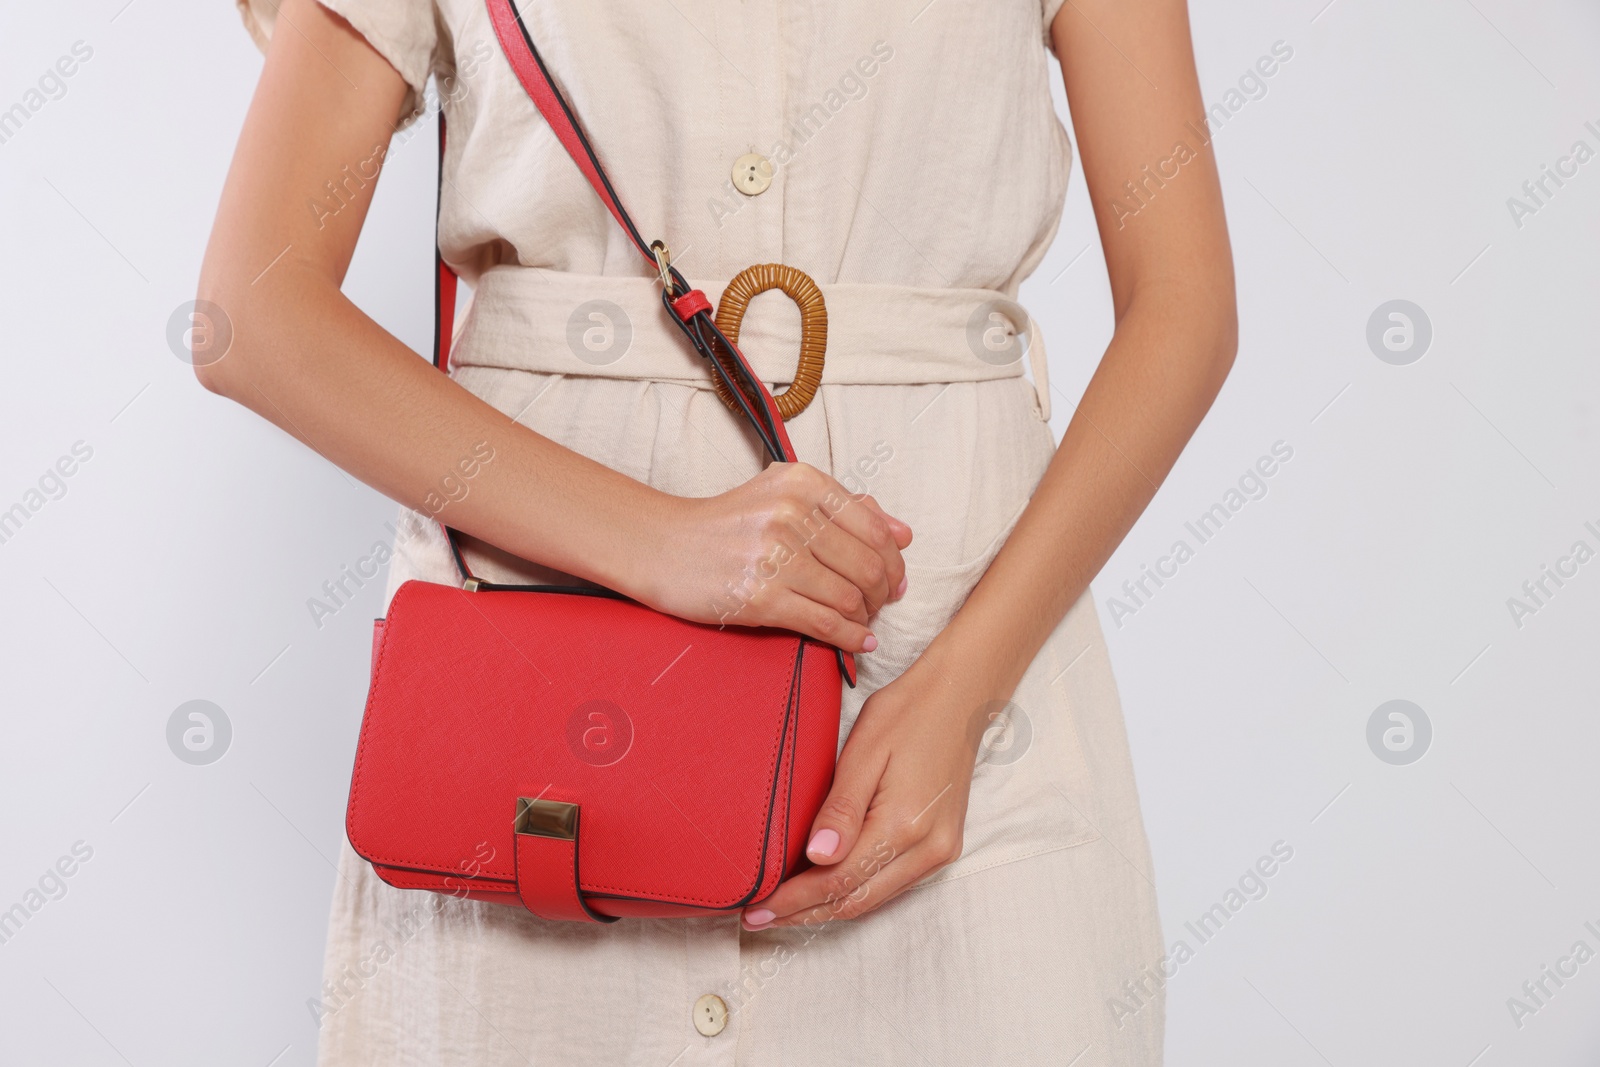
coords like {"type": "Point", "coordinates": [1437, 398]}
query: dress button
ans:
{"type": "Point", "coordinates": [752, 174]}
{"type": "Point", "coordinates": [710, 1015]}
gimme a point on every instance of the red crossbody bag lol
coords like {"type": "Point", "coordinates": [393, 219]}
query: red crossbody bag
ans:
{"type": "Point", "coordinates": [573, 751]}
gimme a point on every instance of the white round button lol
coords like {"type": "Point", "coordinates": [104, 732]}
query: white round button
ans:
{"type": "Point", "coordinates": [752, 174]}
{"type": "Point", "coordinates": [710, 1015]}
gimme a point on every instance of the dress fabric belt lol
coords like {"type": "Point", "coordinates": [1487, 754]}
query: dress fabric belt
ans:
{"type": "Point", "coordinates": [555, 322]}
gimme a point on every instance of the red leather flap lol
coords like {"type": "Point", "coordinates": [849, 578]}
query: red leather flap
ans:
{"type": "Point", "coordinates": [666, 732]}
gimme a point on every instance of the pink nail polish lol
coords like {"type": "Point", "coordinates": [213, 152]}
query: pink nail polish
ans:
{"type": "Point", "coordinates": [869, 644]}
{"type": "Point", "coordinates": [824, 843]}
{"type": "Point", "coordinates": [759, 917]}
{"type": "Point", "coordinates": [901, 591]}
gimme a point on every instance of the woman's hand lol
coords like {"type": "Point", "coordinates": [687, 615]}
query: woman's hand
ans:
{"type": "Point", "coordinates": [790, 548]}
{"type": "Point", "coordinates": [899, 799]}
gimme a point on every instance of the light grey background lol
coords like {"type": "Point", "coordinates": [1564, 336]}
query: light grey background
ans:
{"type": "Point", "coordinates": [1378, 566]}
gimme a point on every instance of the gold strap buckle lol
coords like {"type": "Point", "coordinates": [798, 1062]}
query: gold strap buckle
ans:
{"type": "Point", "coordinates": [546, 818]}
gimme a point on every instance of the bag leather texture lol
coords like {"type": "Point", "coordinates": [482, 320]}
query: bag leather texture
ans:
{"type": "Point", "coordinates": [698, 756]}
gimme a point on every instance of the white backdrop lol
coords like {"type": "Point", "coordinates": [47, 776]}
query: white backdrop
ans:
{"type": "Point", "coordinates": [1422, 488]}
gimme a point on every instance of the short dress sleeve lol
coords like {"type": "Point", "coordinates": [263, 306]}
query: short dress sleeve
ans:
{"type": "Point", "coordinates": [404, 32]}
{"type": "Point", "coordinates": [1051, 9]}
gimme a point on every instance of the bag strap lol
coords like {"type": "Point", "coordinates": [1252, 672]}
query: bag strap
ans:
{"type": "Point", "coordinates": [689, 308]}
{"type": "Point", "coordinates": [444, 320]}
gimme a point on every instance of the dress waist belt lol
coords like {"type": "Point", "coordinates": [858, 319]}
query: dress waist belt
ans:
{"type": "Point", "coordinates": [554, 322]}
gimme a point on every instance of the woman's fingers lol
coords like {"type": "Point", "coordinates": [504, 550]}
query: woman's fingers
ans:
{"type": "Point", "coordinates": [901, 532]}
{"type": "Point", "coordinates": [869, 878]}
{"type": "Point", "coordinates": [793, 611]}
{"type": "Point", "coordinates": [856, 538]}
{"type": "Point", "coordinates": [815, 581]}
{"type": "Point", "coordinates": [856, 561]}
{"type": "Point", "coordinates": [896, 809]}
{"type": "Point", "coordinates": [814, 600]}
{"type": "Point", "coordinates": [837, 827]}
{"type": "Point", "coordinates": [877, 560]}
{"type": "Point", "coordinates": [867, 844]}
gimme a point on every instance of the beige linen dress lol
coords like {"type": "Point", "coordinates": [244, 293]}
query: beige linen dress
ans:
{"type": "Point", "coordinates": [917, 174]}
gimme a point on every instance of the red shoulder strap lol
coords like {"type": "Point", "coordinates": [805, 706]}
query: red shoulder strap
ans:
{"type": "Point", "coordinates": [688, 308]}
{"type": "Point", "coordinates": [444, 279]}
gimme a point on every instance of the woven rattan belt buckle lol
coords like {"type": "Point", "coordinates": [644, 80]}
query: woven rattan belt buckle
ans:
{"type": "Point", "coordinates": [798, 286]}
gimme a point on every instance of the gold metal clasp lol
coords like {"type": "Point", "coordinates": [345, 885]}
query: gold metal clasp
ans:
{"type": "Point", "coordinates": [546, 818]}
{"type": "Point", "coordinates": [663, 255]}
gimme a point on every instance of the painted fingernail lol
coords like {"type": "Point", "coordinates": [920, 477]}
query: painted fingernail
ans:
{"type": "Point", "coordinates": [869, 644]}
{"type": "Point", "coordinates": [901, 591]}
{"type": "Point", "coordinates": [824, 843]}
{"type": "Point", "coordinates": [759, 917]}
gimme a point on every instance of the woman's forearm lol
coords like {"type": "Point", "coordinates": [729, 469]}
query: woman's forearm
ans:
{"type": "Point", "coordinates": [309, 361]}
{"type": "Point", "coordinates": [1172, 286]}
{"type": "Point", "coordinates": [1171, 351]}
{"type": "Point", "coordinates": [306, 358]}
